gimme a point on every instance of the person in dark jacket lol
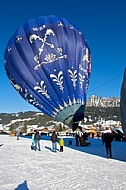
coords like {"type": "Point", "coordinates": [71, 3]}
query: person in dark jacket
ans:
{"type": "Point", "coordinates": [54, 141]}
{"type": "Point", "coordinates": [77, 139]}
{"type": "Point", "coordinates": [108, 138]}
{"type": "Point", "coordinates": [37, 138]}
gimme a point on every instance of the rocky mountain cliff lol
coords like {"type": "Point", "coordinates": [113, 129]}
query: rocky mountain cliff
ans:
{"type": "Point", "coordinates": [103, 102]}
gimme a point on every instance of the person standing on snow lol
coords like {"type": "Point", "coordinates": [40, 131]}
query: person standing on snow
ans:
{"type": "Point", "coordinates": [61, 143]}
{"type": "Point", "coordinates": [33, 142]}
{"type": "Point", "coordinates": [54, 141]}
{"type": "Point", "coordinates": [37, 140]}
{"type": "Point", "coordinates": [77, 139]}
{"type": "Point", "coordinates": [108, 138]}
{"type": "Point", "coordinates": [18, 134]}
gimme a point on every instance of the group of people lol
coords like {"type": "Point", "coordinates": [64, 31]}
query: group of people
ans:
{"type": "Point", "coordinates": [54, 139]}
{"type": "Point", "coordinates": [36, 142]}
{"type": "Point", "coordinates": [36, 136]}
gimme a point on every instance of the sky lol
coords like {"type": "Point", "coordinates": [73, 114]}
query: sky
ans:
{"type": "Point", "coordinates": [76, 168]}
{"type": "Point", "coordinates": [101, 21]}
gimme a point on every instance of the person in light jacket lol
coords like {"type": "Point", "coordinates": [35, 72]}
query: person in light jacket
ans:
{"type": "Point", "coordinates": [33, 147]}
{"type": "Point", "coordinates": [61, 143]}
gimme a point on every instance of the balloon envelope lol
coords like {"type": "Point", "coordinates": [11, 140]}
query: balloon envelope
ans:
{"type": "Point", "coordinates": [48, 62]}
{"type": "Point", "coordinates": [123, 103]}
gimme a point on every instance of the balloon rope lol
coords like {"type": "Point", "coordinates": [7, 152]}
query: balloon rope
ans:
{"type": "Point", "coordinates": [105, 83]}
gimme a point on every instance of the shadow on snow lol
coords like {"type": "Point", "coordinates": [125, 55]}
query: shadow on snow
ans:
{"type": "Point", "coordinates": [22, 186]}
{"type": "Point", "coordinates": [95, 148]}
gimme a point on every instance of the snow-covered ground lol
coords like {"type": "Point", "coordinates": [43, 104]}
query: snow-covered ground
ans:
{"type": "Point", "coordinates": [76, 168]}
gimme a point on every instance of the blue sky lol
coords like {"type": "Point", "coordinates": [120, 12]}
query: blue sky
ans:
{"type": "Point", "coordinates": [103, 23]}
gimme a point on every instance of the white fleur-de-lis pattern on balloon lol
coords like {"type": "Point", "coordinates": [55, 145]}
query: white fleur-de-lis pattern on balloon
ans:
{"type": "Point", "coordinates": [50, 57]}
{"type": "Point", "coordinates": [29, 98]}
{"type": "Point", "coordinates": [58, 79]}
{"type": "Point", "coordinates": [33, 101]}
{"type": "Point", "coordinates": [81, 78]}
{"type": "Point", "coordinates": [42, 89]}
{"type": "Point", "coordinates": [84, 70]}
{"type": "Point", "coordinates": [73, 76]}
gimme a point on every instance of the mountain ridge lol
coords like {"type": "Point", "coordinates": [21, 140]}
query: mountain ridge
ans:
{"type": "Point", "coordinates": [96, 108]}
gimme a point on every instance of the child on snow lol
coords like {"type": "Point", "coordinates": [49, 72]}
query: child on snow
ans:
{"type": "Point", "coordinates": [61, 143]}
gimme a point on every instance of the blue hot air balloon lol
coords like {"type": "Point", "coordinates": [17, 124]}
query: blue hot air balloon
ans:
{"type": "Point", "coordinates": [123, 103]}
{"type": "Point", "coordinates": [48, 61]}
